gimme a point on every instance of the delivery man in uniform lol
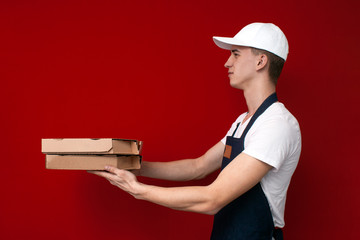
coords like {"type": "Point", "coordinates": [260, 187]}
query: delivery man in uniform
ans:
{"type": "Point", "coordinates": [257, 157]}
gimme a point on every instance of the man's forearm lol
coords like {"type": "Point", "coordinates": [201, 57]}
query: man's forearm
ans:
{"type": "Point", "coordinates": [181, 170]}
{"type": "Point", "coordinates": [187, 169]}
{"type": "Point", "coordinates": [198, 199]}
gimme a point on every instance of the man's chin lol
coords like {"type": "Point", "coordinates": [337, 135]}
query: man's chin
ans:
{"type": "Point", "coordinates": [234, 85]}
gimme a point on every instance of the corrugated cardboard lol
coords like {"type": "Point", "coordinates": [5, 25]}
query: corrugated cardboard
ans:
{"type": "Point", "coordinates": [92, 162]}
{"type": "Point", "coordinates": [91, 146]}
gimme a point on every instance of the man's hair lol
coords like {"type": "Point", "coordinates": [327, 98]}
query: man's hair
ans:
{"type": "Point", "coordinates": [276, 63]}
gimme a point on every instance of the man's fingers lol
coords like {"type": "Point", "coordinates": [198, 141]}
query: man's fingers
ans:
{"type": "Point", "coordinates": [115, 176]}
{"type": "Point", "coordinates": [114, 170]}
{"type": "Point", "coordinates": [104, 174]}
{"type": "Point", "coordinates": [123, 179]}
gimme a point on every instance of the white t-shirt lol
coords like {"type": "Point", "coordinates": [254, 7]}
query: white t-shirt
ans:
{"type": "Point", "coordinates": [275, 139]}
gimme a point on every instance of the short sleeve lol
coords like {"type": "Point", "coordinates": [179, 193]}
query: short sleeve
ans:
{"type": "Point", "coordinates": [271, 141]}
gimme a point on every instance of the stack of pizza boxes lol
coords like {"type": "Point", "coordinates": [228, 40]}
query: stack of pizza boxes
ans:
{"type": "Point", "coordinates": [91, 153]}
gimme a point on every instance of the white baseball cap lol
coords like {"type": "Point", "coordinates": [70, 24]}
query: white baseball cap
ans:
{"type": "Point", "coordinates": [265, 36]}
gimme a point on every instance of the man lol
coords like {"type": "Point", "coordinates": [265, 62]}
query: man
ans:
{"type": "Point", "coordinates": [258, 155]}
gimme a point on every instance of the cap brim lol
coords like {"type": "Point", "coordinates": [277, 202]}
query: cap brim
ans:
{"type": "Point", "coordinates": [227, 43]}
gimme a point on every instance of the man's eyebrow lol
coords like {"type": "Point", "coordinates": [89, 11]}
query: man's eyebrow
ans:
{"type": "Point", "coordinates": [235, 50]}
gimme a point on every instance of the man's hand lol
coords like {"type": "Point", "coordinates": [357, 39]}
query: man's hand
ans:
{"type": "Point", "coordinates": [123, 179]}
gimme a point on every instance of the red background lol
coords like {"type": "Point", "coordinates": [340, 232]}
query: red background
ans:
{"type": "Point", "coordinates": [149, 70]}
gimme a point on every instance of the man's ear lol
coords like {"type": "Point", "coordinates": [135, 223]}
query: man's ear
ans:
{"type": "Point", "coordinates": [262, 61]}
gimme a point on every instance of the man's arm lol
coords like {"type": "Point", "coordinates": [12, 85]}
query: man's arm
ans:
{"type": "Point", "coordinates": [187, 169]}
{"type": "Point", "coordinates": [238, 177]}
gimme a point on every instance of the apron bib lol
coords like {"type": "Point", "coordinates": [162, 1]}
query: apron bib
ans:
{"type": "Point", "coordinates": [248, 217]}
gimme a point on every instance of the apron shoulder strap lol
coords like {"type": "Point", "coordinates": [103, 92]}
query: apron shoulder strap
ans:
{"type": "Point", "coordinates": [237, 126]}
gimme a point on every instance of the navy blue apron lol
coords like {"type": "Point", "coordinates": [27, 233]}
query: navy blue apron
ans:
{"type": "Point", "coordinates": [248, 217]}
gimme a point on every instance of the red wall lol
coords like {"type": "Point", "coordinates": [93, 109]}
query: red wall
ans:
{"type": "Point", "coordinates": [149, 70]}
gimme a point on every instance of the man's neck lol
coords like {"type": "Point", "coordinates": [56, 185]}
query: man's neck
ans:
{"type": "Point", "coordinates": [256, 96]}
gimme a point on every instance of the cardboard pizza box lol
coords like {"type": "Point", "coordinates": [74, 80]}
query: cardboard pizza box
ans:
{"type": "Point", "coordinates": [92, 162]}
{"type": "Point", "coordinates": [91, 146]}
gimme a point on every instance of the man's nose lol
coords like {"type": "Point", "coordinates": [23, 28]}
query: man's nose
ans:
{"type": "Point", "coordinates": [228, 63]}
